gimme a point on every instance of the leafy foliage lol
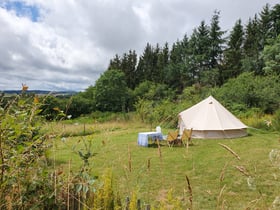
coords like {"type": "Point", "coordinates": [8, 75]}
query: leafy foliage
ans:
{"type": "Point", "coordinates": [153, 91]}
{"type": "Point", "coordinates": [252, 91]}
{"type": "Point", "coordinates": [81, 104]}
{"type": "Point", "coordinates": [271, 56]}
{"type": "Point", "coordinates": [23, 177]}
{"type": "Point", "coordinates": [53, 108]}
{"type": "Point", "coordinates": [111, 91]}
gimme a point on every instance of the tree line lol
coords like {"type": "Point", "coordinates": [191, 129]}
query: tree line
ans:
{"type": "Point", "coordinates": [208, 58]}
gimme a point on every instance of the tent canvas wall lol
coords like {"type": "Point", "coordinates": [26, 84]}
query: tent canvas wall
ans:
{"type": "Point", "coordinates": [209, 119]}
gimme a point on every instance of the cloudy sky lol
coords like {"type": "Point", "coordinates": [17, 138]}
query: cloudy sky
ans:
{"type": "Point", "coordinates": [67, 44]}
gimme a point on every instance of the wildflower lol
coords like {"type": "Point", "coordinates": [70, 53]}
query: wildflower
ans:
{"type": "Point", "coordinates": [36, 100]}
{"type": "Point", "coordinates": [56, 109]}
{"type": "Point", "coordinates": [24, 87]}
{"type": "Point", "coordinates": [268, 123]}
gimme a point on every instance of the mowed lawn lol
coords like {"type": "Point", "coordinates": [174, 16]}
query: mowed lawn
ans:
{"type": "Point", "coordinates": [244, 175]}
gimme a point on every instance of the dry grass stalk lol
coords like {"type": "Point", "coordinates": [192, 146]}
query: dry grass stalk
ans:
{"type": "Point", "coordinates": [159, 150]}
{"type": "Point", "coordinates": [222, 175]}
{"type": "Point", "coordinates": [76, 200]}
{"type": "Point", "coordinates": [149, 164]}
{"type": "Point", "coordinates": [223, 205]}
{"type": "Point", "coordinates": [8, 200]}
{"type": "Point", "coordinates": [243, 170]}
{"type": "Point", "coordinates": [68, 185]}
{"type": "Point", "coordinates": [220, 196]}
{"type": "Point", "coordinates": [54, 167]}
{"type": "Point", "coordinates": [230, 150]}
{"type": "Point", "coordinates": [129, 160]}
{"type": "Point", "coordinates": [253, 202]}
{"type": "Point", "coordinates": [190, 192]}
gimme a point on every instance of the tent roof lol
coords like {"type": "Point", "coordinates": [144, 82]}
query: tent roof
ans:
{"type": "Point", "coordinates": [209, 114]}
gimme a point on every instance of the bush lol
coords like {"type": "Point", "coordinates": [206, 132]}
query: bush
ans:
{"type": "Point", "coordinates": [252, 92]}
{"type": "Point", "coordinates": [111, 92]}
{"type": "Point", "coordinates": [24, 180]}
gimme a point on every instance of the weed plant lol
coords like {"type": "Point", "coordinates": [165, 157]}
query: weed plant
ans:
{"type": "Point", "coordinates": [23, 172]}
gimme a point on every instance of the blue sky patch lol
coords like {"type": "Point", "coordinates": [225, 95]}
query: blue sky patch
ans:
{"type": "Point", "coordinates": [22, 10]}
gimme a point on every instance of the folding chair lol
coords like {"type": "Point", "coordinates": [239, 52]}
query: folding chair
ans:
{"type": "Point", "coordinates": [187, 137]}
{"type": "Point", "coordinates": [172, 138]}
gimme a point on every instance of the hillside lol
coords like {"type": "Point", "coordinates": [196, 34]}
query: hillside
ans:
{"type": "Point", "coordinates": [39, 92]}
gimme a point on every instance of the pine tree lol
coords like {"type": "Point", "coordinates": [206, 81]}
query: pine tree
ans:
{"type": "Point", "coordinates": [149, 68]}
{"type": "Point", "coordinates": [216, 41]}
{"type": "Point", "coordinates": [128, 66]}
{"type": "Point", "coordinates": [187, 73]}
{"type": "Point", "coordinates": [162, 62]}
{"type": "Point", "coordinates": [200, 51]}
{"type": "Point", "coordinates": [233, 54]}
{"type": "Point", "coordinates": [252, 60]}
{"type": "Point", "coordinates": [275, 18]}
{"type": "Point", "coordinates": [172, 71]}
{"type": "Point", "coordinates": [214, 76]}
{"type": "Point", "coordinates": [178, 71]}
{"type": "Point", "coordinates": [192, 64]}
{"type": "Point", "coordinates": [155, 64]}
{"type": "Point", "coordinates": [203, 46]}
{"type": "Point", "coordinates": [265, 26]}
{"type": "Point", "coordinates": [115, 63]}
{"type": "Point", "coordinates": [145, 67]}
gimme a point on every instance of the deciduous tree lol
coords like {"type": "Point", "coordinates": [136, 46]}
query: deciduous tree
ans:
{"type": "Point", "coordinates": [111, 93]}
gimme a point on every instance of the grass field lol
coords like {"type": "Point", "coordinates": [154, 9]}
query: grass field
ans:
{"type": "Point", "coordinates": [217, 178]}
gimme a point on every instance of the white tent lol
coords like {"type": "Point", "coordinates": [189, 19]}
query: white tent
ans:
{"type": "Point", "coordinates": [209, 119]}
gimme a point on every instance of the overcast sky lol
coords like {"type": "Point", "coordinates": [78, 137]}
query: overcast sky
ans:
{"type": "Point", "coordinates": [67, 44]}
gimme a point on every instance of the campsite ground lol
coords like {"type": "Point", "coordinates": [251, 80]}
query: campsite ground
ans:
{"type": "Point", "coordinates": [244, 175]}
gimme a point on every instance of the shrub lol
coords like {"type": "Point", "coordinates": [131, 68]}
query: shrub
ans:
{"type": "Point", "coordinates": [252, 92]}
{"type": "Point", "coordinates": [23, 174]}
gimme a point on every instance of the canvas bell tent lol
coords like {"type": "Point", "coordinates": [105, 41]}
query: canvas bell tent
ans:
{"type": "Point", "coordinates": [209, 119]}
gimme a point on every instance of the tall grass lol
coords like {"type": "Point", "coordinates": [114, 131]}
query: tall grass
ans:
{"type": "Point", "coordinates": [234, 174]}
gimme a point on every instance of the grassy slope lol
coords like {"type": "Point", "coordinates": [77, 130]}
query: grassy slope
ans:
{"type": "Point", "coordinates": [212, 170]}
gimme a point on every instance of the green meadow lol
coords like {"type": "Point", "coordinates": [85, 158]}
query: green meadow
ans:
{"type": "Point", "coordinates": [242, 173]}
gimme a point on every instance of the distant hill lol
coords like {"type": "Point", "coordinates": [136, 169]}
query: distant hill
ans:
{"type": "Point", "coordinates": [40, 92]}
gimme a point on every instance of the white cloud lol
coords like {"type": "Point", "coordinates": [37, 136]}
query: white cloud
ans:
{"type": "Point", "coordinates": [143, 13]}
{"type": "Point", "coordinates": [72, 41]}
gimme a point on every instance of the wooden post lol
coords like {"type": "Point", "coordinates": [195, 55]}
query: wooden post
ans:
{"type": "Point", "coordinates": [127, 203]}
{"type": "Point", "coordinates": [138, 204]}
